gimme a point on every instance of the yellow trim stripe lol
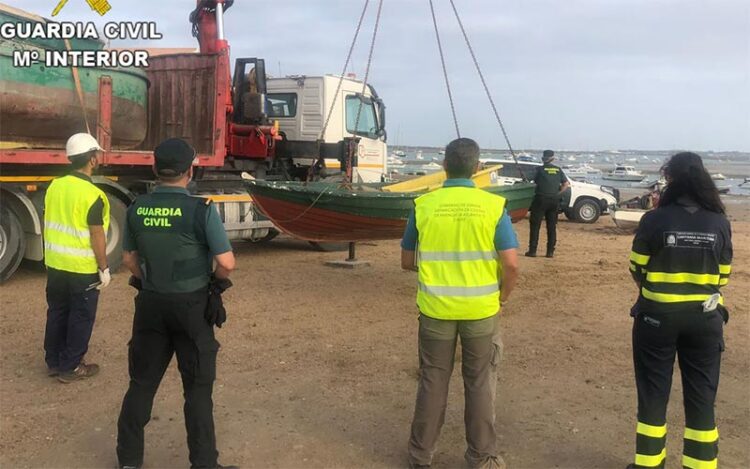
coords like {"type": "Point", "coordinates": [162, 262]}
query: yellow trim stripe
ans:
{"type": "Point", "coordinates": [639, 259]}
{"type": "Point", "coordinates": [647, 460]}
{"type": "Point", "coordinates": [26, 178]}
{"type": "Point", "coordinates": [675, 298]}
{"type": "Point", "coordinates": [39, 178]}
{"type": "Point", "coordinates": [632, 267]}
{"type": "Point", "coordinates": [725, 269]}
{"type": "Point", "coordinates": [229, 198]}
{"type": "Point", "coordinates": [651, 430]}
{"type": "Point", "coordinates": [702, 436]}
{"type": "Point", "coordinates": [693, 463]}
{"type": "Point", "coordinates": [683, 277]}
{"type": "Point", "coordinates": [723, 281]}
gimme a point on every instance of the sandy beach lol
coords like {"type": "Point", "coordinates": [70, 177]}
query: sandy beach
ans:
{"type": "Point", "coordinates": [318, 366]}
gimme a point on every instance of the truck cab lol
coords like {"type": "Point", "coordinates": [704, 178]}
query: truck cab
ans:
{"type": "Point", "coordinates": [302, 105]}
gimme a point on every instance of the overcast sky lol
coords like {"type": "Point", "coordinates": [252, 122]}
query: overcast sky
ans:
{"type": "Point", "coordinates": [565, 74]}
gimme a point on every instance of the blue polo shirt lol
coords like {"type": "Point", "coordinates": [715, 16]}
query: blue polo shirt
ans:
{"type": "Point", "coordinates": [505, 236]}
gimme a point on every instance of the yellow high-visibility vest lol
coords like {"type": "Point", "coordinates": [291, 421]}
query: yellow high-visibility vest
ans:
{"type": "Point", "coordinates": [67, 241]}
{"type": "Point", "coordinates": [459, 270]}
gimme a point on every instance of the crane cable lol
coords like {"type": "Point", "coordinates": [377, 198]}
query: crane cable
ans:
{"type": "Point", "coordinates": [349, 169]}
{"type": "Point", "coordinates": [445, 70]}
{"type": "Point", "coordinates": [321, 159]}
{"type": "Point", "coordinates": [346, 66]}
{"type": "Point", "coordinates": [486, 88]}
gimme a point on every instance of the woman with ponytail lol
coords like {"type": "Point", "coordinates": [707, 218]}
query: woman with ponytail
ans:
{"type": "Point", "coordinates": [681, 257]}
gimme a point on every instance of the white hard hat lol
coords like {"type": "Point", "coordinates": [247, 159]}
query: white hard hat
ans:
{"type": "Point", "coordinates": [79, 144]}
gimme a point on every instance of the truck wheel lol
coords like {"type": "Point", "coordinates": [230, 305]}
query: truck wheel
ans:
{"type": "Point", "coordinates": [570, 214]}
{"type": "Point", "coordinates": [586, 211]}
{"type": "Point", "coordinates": [271, 234]}
{"type": "Point", "coordinates": [12, 243]}
{"type": "Point", "coordinates": [117, 214]}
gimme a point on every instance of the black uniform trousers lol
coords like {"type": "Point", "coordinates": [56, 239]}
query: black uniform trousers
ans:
{"type": "Point", "coordinates": [697, 339]}
{"type": "Point", "coordinates": [544, 207]}
{"type": "Point", "coordinates": [165, 324]}
{"type": "Point", "coordinates": [71, 311]}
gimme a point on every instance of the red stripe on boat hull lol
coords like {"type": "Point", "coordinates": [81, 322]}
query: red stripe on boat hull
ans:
{"type": "Point", "coordinates": [314, 224]}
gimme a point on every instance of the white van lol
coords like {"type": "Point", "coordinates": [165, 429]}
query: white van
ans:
{"type": "Point", "coordinates": [583, 202]}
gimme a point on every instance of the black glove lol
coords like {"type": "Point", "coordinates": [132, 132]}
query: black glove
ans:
{"type": "Point", "coordinates": [135, 282]}
{"type": "Point", "coordinates": [215, 313]}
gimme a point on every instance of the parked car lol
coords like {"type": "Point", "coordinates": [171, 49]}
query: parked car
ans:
{"type": "Point", "coordinates": [582, 202]}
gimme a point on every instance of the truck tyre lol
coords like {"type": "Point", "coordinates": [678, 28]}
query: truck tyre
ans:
{"type": "Point", "coordinates": [272, 233]}
{"type": "Point", "coordinates": [569, 214]}
{"type": "Point", "coordinates": [117, 217]}
{"type": "Point", "coordinates": [12, 243]}
{"type": "Point", "coordinates": [586, 211]}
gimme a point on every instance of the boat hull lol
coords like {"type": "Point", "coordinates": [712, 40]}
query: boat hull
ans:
{"type": "Point", "coordinates": [320, 212]}
{"type": "Point", "coordinates": [40, 105]}
{"type": "Point", "coordinates": [609, 177]}
{"type": "Point", "coordinates": [627, 219]}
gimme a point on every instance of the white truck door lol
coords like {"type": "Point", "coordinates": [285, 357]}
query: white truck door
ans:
{"type": "Point", "coordinates": [372, 150]}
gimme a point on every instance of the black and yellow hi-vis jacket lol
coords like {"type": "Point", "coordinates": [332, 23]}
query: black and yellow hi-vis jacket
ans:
{"type": "Point", "coordinates": [681, 255]}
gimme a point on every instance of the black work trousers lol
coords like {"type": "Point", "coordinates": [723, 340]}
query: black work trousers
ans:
{"type": "Point", "coordinates": [696, 338]}
{"type": "Point", "coordinates": [165, 324]}
{"type": "Point", "coordinates": [71, 311]}
{"type": "Point", "coordinates": [544, 207]}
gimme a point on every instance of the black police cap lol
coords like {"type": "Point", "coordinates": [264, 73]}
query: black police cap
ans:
{"type": "Point", "coordinates": [173, 156]}
{"type": "Point", "coordinates": [548, 155]}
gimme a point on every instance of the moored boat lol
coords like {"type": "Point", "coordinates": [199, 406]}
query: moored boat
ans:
{"type": "Point", "coordinates": [321, 211]}
{"type": "Point", "coordinates": [40, 106]}
{"type": "Point", "coordinates": [624, 173]}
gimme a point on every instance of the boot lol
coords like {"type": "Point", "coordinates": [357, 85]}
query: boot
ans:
{"type": "Point", "coordinates": [530, 253]}
{"type": "Point", "coordinates": [550, 253]}
{"type": "Point", "coordinates": [82, 371]}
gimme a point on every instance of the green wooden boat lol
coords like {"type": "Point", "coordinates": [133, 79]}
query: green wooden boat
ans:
{"type": "Point", "coordinates": [40, 105]}
{"type": "Point", "coordinates": [321, 211]}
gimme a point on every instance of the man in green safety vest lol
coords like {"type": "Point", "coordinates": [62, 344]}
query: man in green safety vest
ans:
{"type": "Point", "coordinates": [461, 242]}
{"type": "Point", "coordinates": [76, 218]}
{"type": "Point", "coordinates": [171, 241]}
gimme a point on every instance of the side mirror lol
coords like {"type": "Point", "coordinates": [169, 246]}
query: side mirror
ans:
{"type": "Point", "coordinates": [381, 118]}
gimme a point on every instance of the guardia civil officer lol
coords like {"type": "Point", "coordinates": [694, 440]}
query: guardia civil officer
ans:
{"type": "Point", "coordinates": [466, 247]}
{"type": "Point", "coordinates": [76, 218]}
{"type": "Point", "coordinates": [170, 242]}
{"type": "Point", "coordinates": [551, 182]}
{"type": "Point", "coordinates": [681, 257]}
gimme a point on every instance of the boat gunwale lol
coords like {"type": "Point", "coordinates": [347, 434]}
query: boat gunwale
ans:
{"type": "Point", "coordinates": [338, 191]}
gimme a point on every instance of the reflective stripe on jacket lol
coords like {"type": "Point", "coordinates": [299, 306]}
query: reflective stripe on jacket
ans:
{"type": "Point", "coordinates": [681, 256]}
{"type": "Point", "coordinates": [458, 265]}
{"type": "Point", "coordinates": [67, 241]}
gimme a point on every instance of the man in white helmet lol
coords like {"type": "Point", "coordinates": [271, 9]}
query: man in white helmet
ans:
{"type": "Point", "coordinates": [76, 218]}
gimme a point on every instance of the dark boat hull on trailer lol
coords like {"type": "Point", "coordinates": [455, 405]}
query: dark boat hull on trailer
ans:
{"type": "Point", "coordinates": [40, 106]}
{"type": "Point", "coordinates": [327, 212]}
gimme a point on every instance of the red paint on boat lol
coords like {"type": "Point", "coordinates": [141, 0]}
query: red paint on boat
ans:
{"type": "Point", "coordinates": [314, 224]}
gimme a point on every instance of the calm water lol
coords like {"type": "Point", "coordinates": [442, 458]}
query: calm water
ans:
{"type": "Point", "coordinates": [735, 166]}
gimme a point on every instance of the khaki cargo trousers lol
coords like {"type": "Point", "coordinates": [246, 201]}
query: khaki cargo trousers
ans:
{"type": "Point", "coordinates": [481, 352]}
